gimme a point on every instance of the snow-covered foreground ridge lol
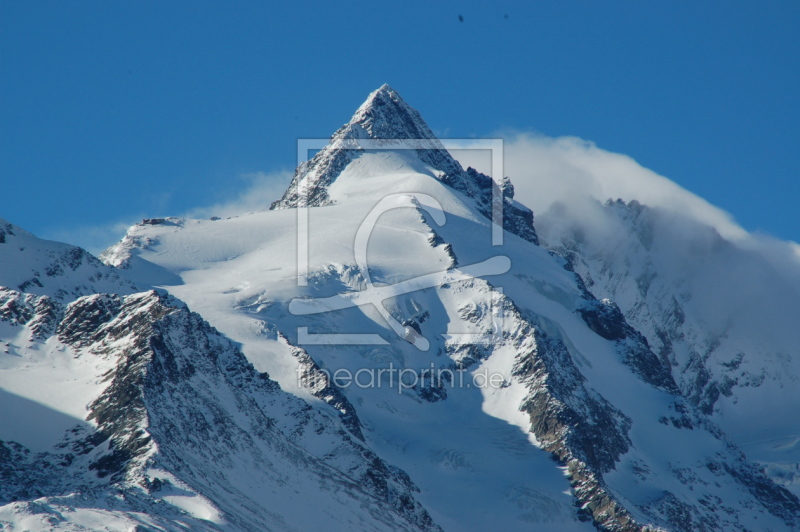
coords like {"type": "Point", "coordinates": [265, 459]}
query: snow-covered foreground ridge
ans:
{"type": "Point", "coordinates": [474, 386]}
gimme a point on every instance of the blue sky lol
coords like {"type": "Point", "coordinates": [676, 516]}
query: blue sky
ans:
{"type": "Point", "coordinates": [113, 111]}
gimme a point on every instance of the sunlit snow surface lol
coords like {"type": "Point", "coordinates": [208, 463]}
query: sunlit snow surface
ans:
{"type": "Point", "coordinates": [470, 454]}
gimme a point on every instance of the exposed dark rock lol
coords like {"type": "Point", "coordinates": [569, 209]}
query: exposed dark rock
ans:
{"type": "Point", "coordinates": [571, 421]}
{"type": "Point", "coordinates": [5, 229]}
{"type": "Point", "coordinates": [34, 281]}
{"type": "Point", "coordinates": [605, 318]}
{"type": "Point", "coordinates": [84, 317]}
{"type": "Point", "coordinates": [312, 377]}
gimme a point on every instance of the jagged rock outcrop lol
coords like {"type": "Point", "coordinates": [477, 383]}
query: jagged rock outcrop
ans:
{"type": "Point", "coordinates": [181, 402]}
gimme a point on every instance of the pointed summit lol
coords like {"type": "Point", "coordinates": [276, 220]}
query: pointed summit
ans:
{"type": "Point", "coordinates": [385, 121]}
{"type": "Point", "coordinates": [385, 115]}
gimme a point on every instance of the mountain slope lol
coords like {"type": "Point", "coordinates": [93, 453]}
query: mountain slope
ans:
{"type": "Point", "coordinates": [398, 248]}
{"type": "Point", "coordinates": [129, 410]}
{"type": "Point", "coordinates": [717, 311]}
{"type": "Point", "coordinates": [59, 271]}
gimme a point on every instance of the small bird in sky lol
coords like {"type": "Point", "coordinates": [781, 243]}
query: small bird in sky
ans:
{"type": "Point", "coordinates": [460, 18]}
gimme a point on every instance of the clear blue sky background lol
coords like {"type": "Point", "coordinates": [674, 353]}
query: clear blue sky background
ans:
{"type": "Point", "coordinates": [110, 111]}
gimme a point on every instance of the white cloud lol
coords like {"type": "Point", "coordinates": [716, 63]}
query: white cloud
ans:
{"type": "Point", "coordinates": [569, 172]}
{"type": "Point", "coordinates": [260, 190]}
{"type": "Point", "coordinates": [546, 170]}
{"type": "Point", "coordinates": [735, 278]}
{"type": "Point", "coordinates": [93, 238]}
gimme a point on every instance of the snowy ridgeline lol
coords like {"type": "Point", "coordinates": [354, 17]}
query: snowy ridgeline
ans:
{"type": "Point", "coordinates": [476, 387]}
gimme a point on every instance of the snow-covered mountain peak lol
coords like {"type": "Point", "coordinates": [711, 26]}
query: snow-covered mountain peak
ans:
{"type": "Point", "coordinates": [383, 119]}
{"type": "Point", "coordinates": [385, 115]}
{"type": "Point", "coordinates": [385, 123]}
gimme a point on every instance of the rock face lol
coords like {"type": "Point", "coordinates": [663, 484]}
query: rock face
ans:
{"type": "Point", "coordinates": [182, 411]}
{"type": "Point", "coordinates": [531, 404]}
